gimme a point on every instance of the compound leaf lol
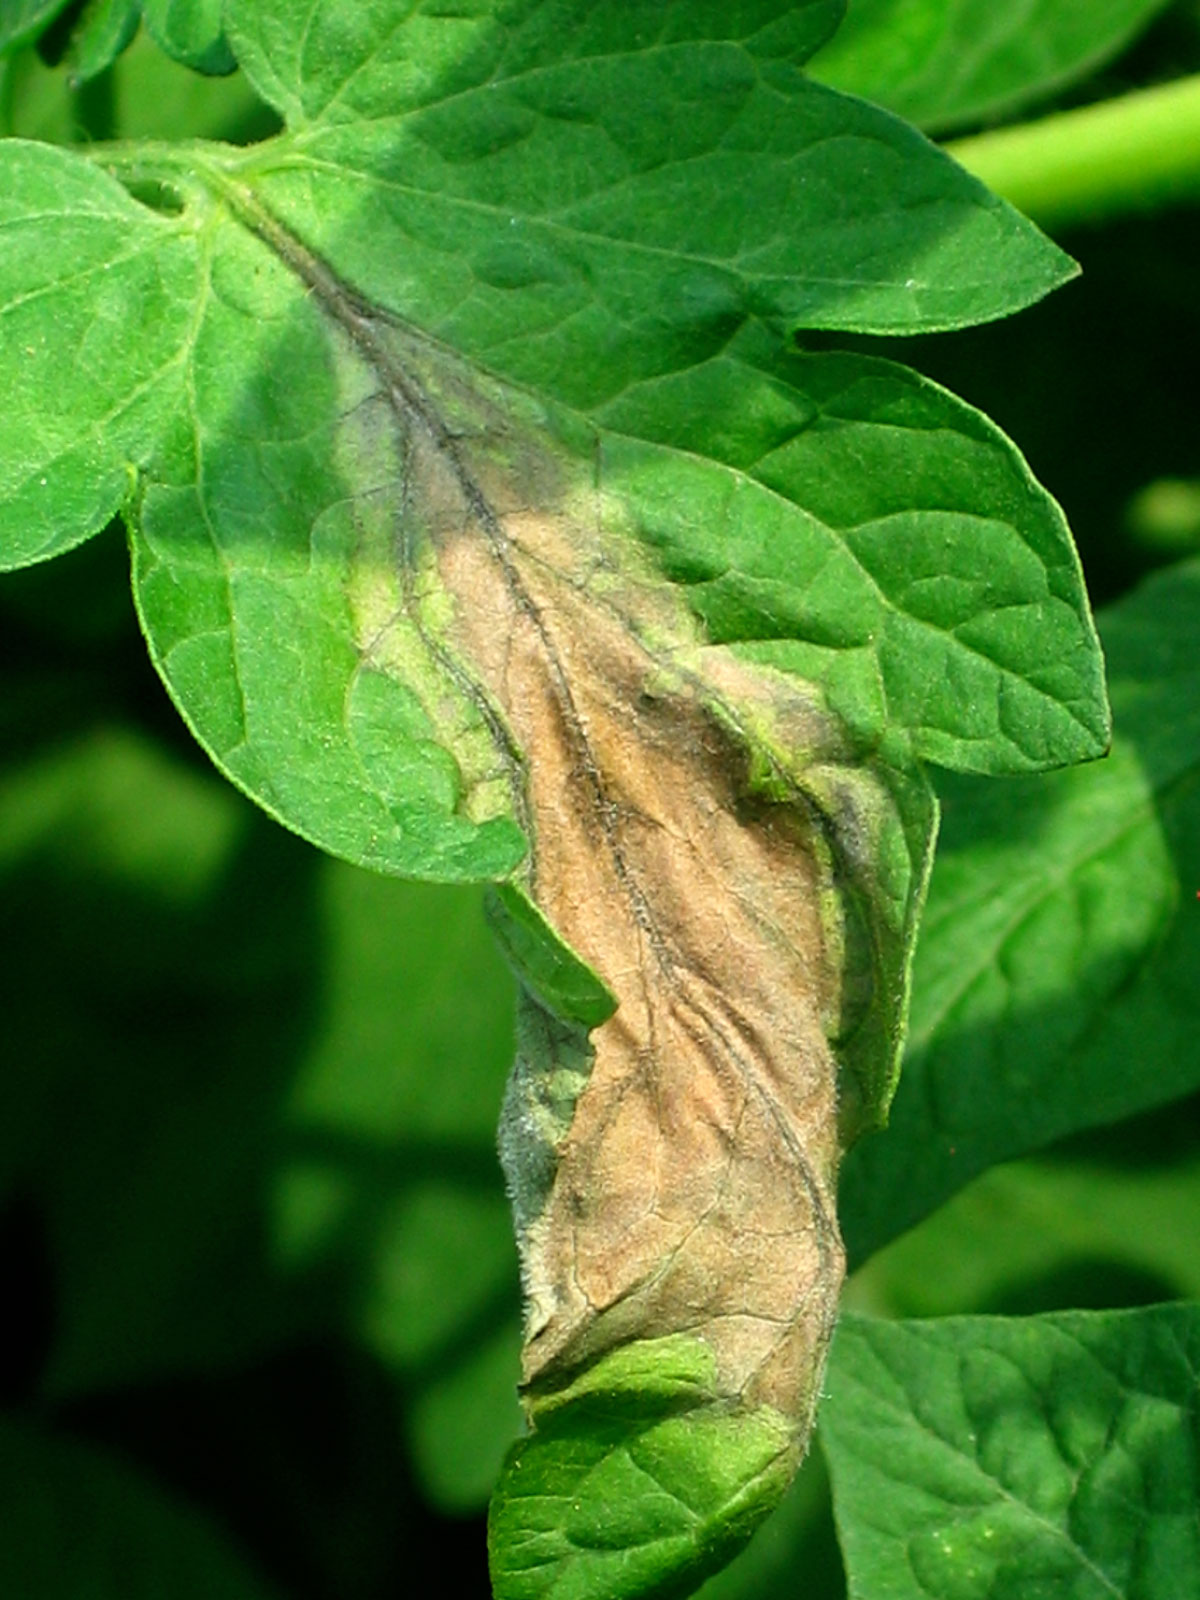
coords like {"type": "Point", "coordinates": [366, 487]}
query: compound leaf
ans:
{"type": "Point", "coordinates": [483, 531]}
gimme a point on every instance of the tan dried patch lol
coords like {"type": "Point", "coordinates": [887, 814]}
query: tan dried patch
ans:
{"type": "Point", "coordinates": [694, 1190]}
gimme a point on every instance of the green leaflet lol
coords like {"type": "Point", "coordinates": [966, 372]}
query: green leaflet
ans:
{"type": "Point", "coordinates": [83, 264]}
{"type": "Point", "coordinates": [1058, 943]}
{"type": "Point", "coordinates": [983, 1455]}
{"type": "Point", "coordinates": [946, 63]}
{"type": "Point", "coordinates": [581, 224]}
{"type": "Point", "coordinates": [382, 60]}
{"type": "Point", "coordinates": [639, 1480]}
{"type": "Point", "coordinates": [190, 31]}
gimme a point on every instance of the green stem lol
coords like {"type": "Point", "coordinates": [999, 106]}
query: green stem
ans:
{"type": "Point", "coordinates": [1131, 154]}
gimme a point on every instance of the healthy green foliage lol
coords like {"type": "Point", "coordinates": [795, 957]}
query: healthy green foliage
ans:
{"type": "Point", "coordinates": [637, 1480]}
{"type": "Point", "coordinates": [1058, 942]}
{"type": "Point", "coordinates": [580, 224]}
{"type": "Point", "coordinates": [24, 19]}
{"type": "Point", "coordinates": [1001, 1456]}
{"type": "Point", "coordinates": [190, 31]}
{"type": "Point", "coordinates": [555, 263]}
{"type": "Point", "coordinates": [945, 63]}
{"type": "Point", "coordinates": [103, 31]}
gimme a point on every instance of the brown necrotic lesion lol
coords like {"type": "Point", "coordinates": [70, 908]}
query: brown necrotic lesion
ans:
{"type": "Point", "coordinates": [692, 1189]}
{"type": "Point", "coordinates": [675, 1171]}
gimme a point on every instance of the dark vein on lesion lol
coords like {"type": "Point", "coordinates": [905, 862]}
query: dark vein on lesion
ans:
{"type": "Point", "coordinates": [362, 324]}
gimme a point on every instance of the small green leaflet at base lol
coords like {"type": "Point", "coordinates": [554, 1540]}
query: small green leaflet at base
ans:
{"type": "Point", "coordinates": [639, 1479]}
{"type": "Point", "coordinates": [546, 968]}
{"type": "Point", "coordinates": [1051, 1455]}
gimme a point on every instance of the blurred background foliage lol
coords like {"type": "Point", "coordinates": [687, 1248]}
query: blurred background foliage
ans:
{"type": "Point", "coordinates": [259, 1275]}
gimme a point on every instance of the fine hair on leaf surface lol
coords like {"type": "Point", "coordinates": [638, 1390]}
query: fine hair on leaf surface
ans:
{"type": "Point", "coordinates": [487, 526]}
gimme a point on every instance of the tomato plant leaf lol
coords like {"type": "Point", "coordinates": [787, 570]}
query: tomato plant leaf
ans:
{"type": "Point", "coordinates": [580, 223]}
{"type": "Point", "coordinates": [638, 1481]}
{"type": "Point", "coordinates": [119, 1524]}
{"type": "Point", "coordinates": [83, 264]}
{"type": "Point", "coordinates": [945, 63]}
{"type": "Point", "coordinates": [436, 567]}
{"type": "Point", "coordinates": [103, 31]}
{"type": "Point", "coordinates": [190, 31]}
{"type": "Point", "coordinates": [986, 1455]}
{"type": "Point", "coordinates": [1058, 942]}
{"type": "Point", "coordinates": [1009, 668]}
{"type": "Point", "coordinates": [23, 20]}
